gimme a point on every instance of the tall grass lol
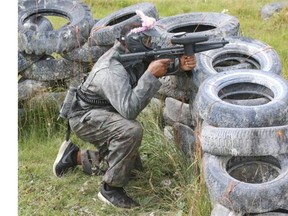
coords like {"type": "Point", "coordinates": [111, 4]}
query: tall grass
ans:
{"type": "Point", "coordinates": [170, 184]}
{"type": "Point", "coordinates": [39, 119]}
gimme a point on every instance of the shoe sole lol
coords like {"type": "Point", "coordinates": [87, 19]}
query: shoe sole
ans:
{"type": "Point", "coordinates": [103, 199]}
{"type": "Point", "coordinates": [61, 151]}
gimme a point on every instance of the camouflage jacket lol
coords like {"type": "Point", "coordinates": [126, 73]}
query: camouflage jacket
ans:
{"type": "Point", "coordinates": [127, 90]}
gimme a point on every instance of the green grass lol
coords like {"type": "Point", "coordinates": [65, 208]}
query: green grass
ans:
{"type": "Point", "coordinates": [170, 184]}
{"type": "Point", "coordinates": [164, 188]}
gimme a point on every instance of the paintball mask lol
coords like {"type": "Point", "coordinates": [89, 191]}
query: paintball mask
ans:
{"type": "Point", "coordinates": [141, 41]}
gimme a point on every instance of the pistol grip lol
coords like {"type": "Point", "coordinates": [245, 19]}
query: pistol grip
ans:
{"type": "Point", "coordinates": [189, 49]}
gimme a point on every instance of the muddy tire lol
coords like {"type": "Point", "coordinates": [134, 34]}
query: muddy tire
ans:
{"type": "Point", "coordinates": [107, 29]}
{"type": "Point", "coordinates": [244, 141]}
{"type": "Point", "coordinates": [270, 9]}
{"type": "Point", "coordinates": [176, 111]}
{"type": "Point", "coordinates": [177, 87]}
{"type": "Point", "coordinates": [35, 23]}
{"type": "Point", "coordinates": [239, 53]}
{"type": "Point", "coordinates": [221, 210]}
{"type": "Point", "coordinates": [210, 106]}
{"type": "Point", "coordinates": [29, 88]}
{"type": "Point", "coordinates": [25, 60]}
{"type": "Point", "coordinates": [38, 23]}
{"type": "Point", "coordinates": [240, 190]}
{"type": "Point", "coordinates": [247, 94]}
{"type": "Point", "coordinates": [270, 214]}
{"type": "Point", "coordinates": [50, 69]}
{"type": "Point", "coordinates": [87, 54]}
{"type": "Point", "coordinates": [184, 139]}
{"type": "Point", "coordinates": [199, 24]}
{"type": "Point", "coordinates": [74, 34]}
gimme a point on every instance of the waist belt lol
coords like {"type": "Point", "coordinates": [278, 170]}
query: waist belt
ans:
{"type": "Point", "coordinates": [94, 102]}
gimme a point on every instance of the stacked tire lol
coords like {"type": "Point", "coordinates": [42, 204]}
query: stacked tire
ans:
{"type": "Point", "coordinates": [236, 95]}
{"type": "Point", "coordinates": [211, 24]}
{"type": "Point", "coordinates": [175, 90]}
{"type": "Point", "coordinates": [78, 44]}
{"type": "Point", "coordinates": [239, 108]}
{"type": "Point", "coordinates": [242, 116]}
{"type": "Point", "coordinates": [39, 42]}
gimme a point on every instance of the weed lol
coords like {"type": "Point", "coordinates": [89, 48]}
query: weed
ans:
{"type": "Point", "coordinates": [170, 183]}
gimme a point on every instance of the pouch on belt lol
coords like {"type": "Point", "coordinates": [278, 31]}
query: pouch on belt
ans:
{"type": "Point", "coordinates": [67, 103]}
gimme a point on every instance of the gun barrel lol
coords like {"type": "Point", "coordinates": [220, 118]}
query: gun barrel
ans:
{"type": "Point", "coordinates": [131, 56]}
{"type": "Point", "coordinates": [171, 52]}
{"type": "Point", "coordinates": [209, 46]}
{"type": "Point", "coordinates": [188, 39]}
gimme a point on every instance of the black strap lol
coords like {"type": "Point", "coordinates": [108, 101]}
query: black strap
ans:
{"type": "Point", "coordinates": [94, 102]}
{"type": "Point", "coordinates": [68, 131]}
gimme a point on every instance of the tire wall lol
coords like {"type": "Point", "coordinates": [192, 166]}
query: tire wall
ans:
{"type": "Point", "coordinates": [188, 103]}
{"type": "Point", "coordinates": [244, 52]}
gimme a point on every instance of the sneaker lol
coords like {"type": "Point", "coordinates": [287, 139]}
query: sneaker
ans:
{"type": "Point", "coordinates": [116, 197]}
{"type": "Point", "coordinates": [66, 158]}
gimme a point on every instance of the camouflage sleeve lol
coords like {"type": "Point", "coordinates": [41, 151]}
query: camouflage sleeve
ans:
{"type": "Point", "coordinates": [128, 101]}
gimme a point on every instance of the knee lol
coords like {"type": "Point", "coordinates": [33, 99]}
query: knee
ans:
{"type": "Point", "coordinates": [135, 130]}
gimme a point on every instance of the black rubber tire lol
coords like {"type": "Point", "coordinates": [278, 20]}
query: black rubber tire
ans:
{"type": "Point", "coordinates": [255, 53]}
{"type": "Point", "coordinates": [49, 69]}
{"type": "Point", "coordinates": [177, 87]}
{"type": "Point", "coordinates": [87, 54]}
{"type": "Point", "coordinates": [66, 38]}
{"type": "Point", "coordinates": [29, 88]}
{"type": "Point", "coordinates": [25, 60]}
{"type": "Point", "coordinates": [210, 24]}
{"type": "Point", "coordinates": [176, 111]}
{"type": "Point", "coordinates": [246, 95]}
{"type": "Point", "coordinates": [237, 53]}
{"type": "Point", "coordinates": [107, 29]}
{"type": "Point", "coordinates": [216, 112]}
{"type": "Point", "coordinates": [51, 98]}
{"type": "Point", "coordinates": [248, 102]}
{"type": "Point", "coordinates": [219, 210]}
{"type": "Point", "coordinates": [269, 214]}
{"type": "Point", "coordinates": [241, 196]}
{"type": "Point", "coordinates": [244, 141]}
{"type": "Point", "coordinates": [233, 67]}
{"type": "Point", "coordinates": [270, 9]}
{"type": "Point", "coordinates": [184, 139]}
{"type": "Point", "coordinates": [38, 23]}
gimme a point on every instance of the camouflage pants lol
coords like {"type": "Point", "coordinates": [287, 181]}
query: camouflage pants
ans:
{"type": "Point", "coordinates": [113, 135]}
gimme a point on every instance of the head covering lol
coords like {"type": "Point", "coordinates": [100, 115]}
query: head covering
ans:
{"type": "Point", "coordinates": [148, 25]}
{"type": "Point", "coordinates": [151, 33]}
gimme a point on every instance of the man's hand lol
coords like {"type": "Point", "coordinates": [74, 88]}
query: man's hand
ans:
{"type": "Point", "coordinates": [187, 63]}
{"type": "Point", "coordinates": [159, 67]}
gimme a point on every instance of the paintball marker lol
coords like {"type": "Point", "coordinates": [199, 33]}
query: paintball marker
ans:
{"type": "Point", "coordinates": [185, 44]}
